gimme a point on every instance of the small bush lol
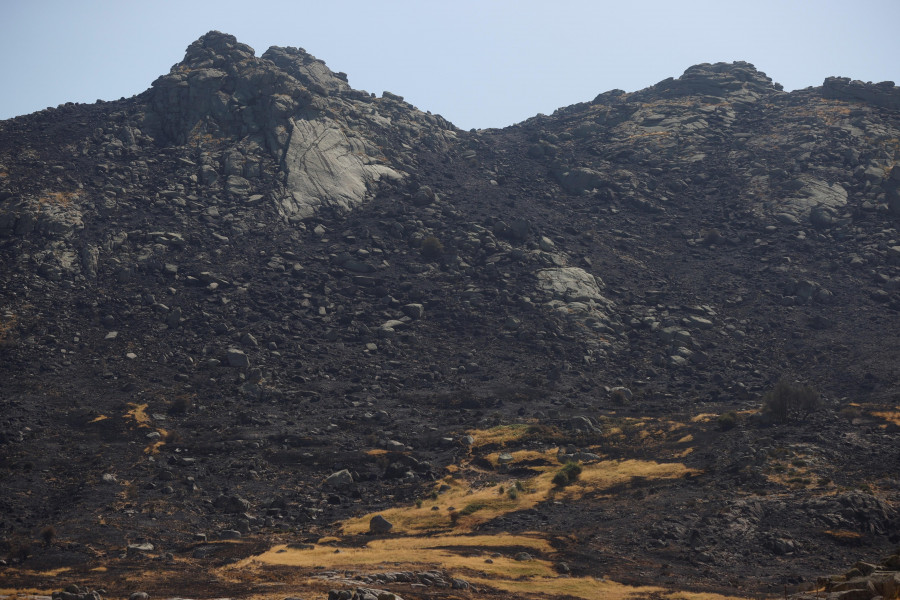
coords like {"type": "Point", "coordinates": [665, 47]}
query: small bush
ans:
{"type": "Point", "coordinates": [19, 550]}
{"type": "Point", "coordinates": [850, 413]}
{"type": "Point", "coordinates": [432, 248]}
{"type": "Point", "coordinates": [788, 399]}
{"type": "Point", "coordinates": [47, 534]}
{"type": "Point", "coordinates": [513, 493]}
{"type": "Point", "coordinates": [418, 503]}
{"type": "Point", "coordinates": [568, 474]}
{"type": "Point", "coordinates": [727, 421]}
{"type": "Point", "coordinates": [472, 508]}
{"type": "Point", "coordinates": [180, 405]}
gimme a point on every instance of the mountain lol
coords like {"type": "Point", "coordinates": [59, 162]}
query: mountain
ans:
{"type": "Point", "coordinates": [649, 340]}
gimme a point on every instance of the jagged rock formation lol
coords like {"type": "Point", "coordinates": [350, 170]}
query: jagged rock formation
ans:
{"type": "Point", "coordinates": [252, 278]}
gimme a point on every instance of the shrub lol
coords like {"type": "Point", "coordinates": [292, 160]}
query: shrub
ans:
{"type": "Point", "coordinates": [727, 420]}
{"type": "Point", "coordinates": [472, 508]}
{"type": "Point", "coordinates": [513, 493]}
{"type": "Point", "coordinates": [787, 399]}
{"type": "Point", "coordinates": [432, 248]}
{"type": "Point", "coordinates": [47, 533]}
{"type": "Point", "coordinates": [568, 474]}
{"type": "Point", "coordinates": [180, 405]}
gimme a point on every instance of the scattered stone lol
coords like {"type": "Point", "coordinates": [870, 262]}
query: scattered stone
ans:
{"type": "Point", "coordinates": [379, 524]}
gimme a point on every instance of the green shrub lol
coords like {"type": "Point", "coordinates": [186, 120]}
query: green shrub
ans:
{"type": "Point", "coordinates": [474, 507]}
{"type": "Point", "coordinates": [568, 474]}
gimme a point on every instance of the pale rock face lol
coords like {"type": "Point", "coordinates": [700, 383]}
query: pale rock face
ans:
{"type": "Point", "coordinates": [572, 284]}
{"type": "Point", "coordinates": [816, 192]}
{"type": "Point", "coordinates": [325, 168]}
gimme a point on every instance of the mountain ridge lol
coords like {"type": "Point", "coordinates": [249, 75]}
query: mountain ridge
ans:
{"type": "Point", "coordinates": [220, 294]}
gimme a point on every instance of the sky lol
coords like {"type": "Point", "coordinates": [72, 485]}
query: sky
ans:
{"type": "Point", "coordinates": [478, 63]}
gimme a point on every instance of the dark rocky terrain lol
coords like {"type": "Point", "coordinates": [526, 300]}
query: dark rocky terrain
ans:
{"type": "Point", "coordinates": [216, 294]}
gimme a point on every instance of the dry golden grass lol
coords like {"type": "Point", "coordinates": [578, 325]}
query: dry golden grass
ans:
{"type": "Point", "coordinates": [487, 503]}
{"type": "Point", "coordinates": [577, 587]}
{"type": "Point", "coordinates": [843, 535]}
{"type": "Point", "coordinates": [446, 552]}
{"type": "Point", "coordinates": [138, 412]}
{"type": "Point", "coordinates": [412, 519]}
{"type": "Point", "coordinates": [22, 593]}
{"type": "Point", "coordinates": [892, 416]}
{"type": "Point", "coordinates": [590, 588]}
{"type": "Point", "coordinates": [704, 417]}
{"type": "Point", "coordinates": [501, 435]}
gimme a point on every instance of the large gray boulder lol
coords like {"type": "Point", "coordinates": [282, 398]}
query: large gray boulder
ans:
{"type": "Point", "coordinates": [571, 284]}
{"type": "Point", "coordinates": [339, 480]}
{"type": "Point", "coordinates": [325, 168]}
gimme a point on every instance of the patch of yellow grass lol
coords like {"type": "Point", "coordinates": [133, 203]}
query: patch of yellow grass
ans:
{"type": "Point", "coordinates": [686, 439]}
{"type": "Point", "coordinates": [500, 435]}
{"type": "Point", "coordinates": [16, 593]}
{"type": "Point", "coordinates": [608, 474]}
{"type": "Point", "coordinates": [412, 519]}
{"type": "Point", "coordinates": [521, 456]}
{"type": "Point", "coordinates": [578, 587]}
{"type": "Point", "coordinates": [490, 504]}
{"type": "Point", "coordinates": [138, 412]}
{"type": "Point", "coordinates": [889, 416]}
{"type": "Point", "coordinates": [376, 452]}
{"type": "Point", "coordinates": [590, 588]}
{"type": "Point", "coordinates": [843, 534]}
{"type": "Point", "coordinates": [100, 418]}
{"type": "Point", "coordinates": [703, 417]}
{"type": "Point", "coordinates": [466, 552]}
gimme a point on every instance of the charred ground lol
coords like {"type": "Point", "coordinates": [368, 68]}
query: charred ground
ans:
{"type": "Point", "coordinates": [219, 292]}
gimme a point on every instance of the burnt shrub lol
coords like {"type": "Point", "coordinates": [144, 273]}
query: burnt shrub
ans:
{"type": "Point", "coordinates": [47, 534]}
{"type": "Point", "coordinates": [788, 399]}
{"type": "Point", "coordinates": [727, 421]}
{"type": "Point", "coordinates": [432, 248]}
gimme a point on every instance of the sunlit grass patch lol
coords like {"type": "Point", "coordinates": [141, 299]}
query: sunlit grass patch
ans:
{"type": "Point", "coordinates": [590, 588]}
{"type": "Point", "coordinates": [522, 456]}
{"type": "Point", "coordinates": [138, 412]}
{"type": "Point", "coordinates": [434, 514]}
{"type": "Point", "coordinates": [703, 417]}
{"type": "Point", "coordinates": [892, 416]}
{"type": "Point", "coordinates": [578, 587]}
{"type": "Point", "coordinates": [500, 435]}
{"type": "Point", "coordinates": [20, 593]}
{"type": "Point", "coordinates": [455, 552]}
{"type": "Point", "coordinates": [844, 535]}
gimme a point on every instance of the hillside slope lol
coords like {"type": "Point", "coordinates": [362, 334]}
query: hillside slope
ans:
{"type": "Point", "coordinates": [219, 292]}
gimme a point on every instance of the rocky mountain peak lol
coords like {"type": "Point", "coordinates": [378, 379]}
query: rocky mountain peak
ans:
{"type": "Point", "coordinates": [737, 80]}
{"type": "Point", "coordinates": [215, 49]}
{"type": "Point", "coordinates": [255, 302]}
{"type": "Point", "coordinates": [309, 70]}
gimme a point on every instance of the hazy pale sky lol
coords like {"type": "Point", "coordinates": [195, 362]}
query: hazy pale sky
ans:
{"type": "Point", "coordinates": [479, 63]}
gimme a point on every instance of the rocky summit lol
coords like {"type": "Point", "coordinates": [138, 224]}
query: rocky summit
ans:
{"type": "Point", "coordinates": [266, 335]}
